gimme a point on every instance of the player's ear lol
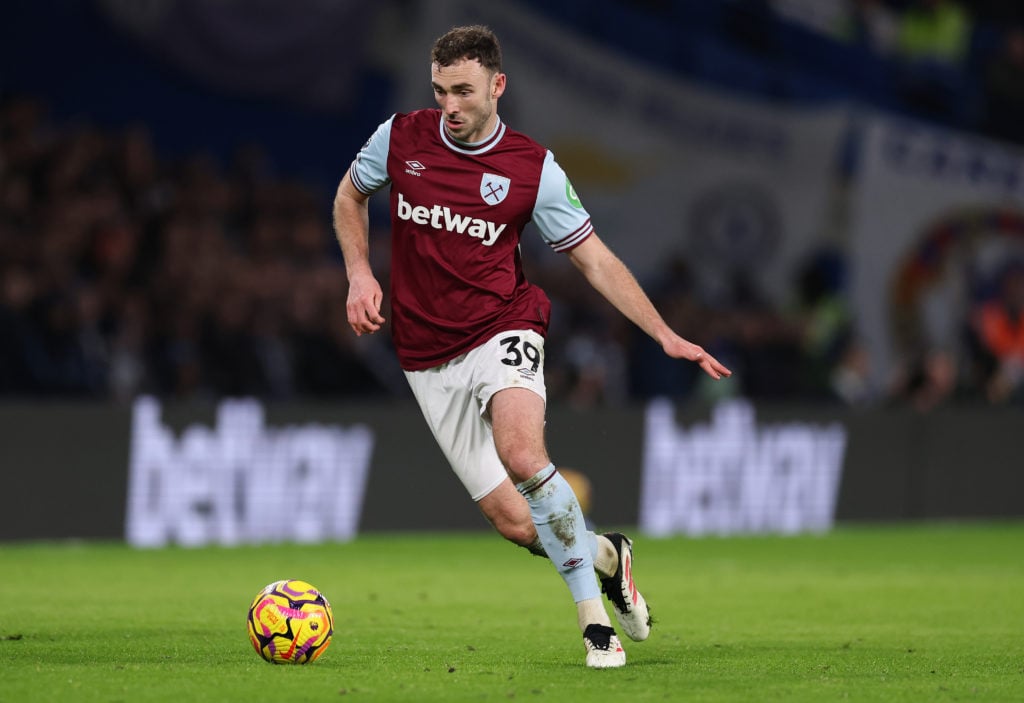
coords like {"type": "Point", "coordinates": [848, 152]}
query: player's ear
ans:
{"type": "Point", "coordinates": [498, 85]}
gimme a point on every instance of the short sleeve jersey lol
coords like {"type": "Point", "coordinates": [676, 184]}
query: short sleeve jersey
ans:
{"type": "Point", "coordinates": [457, 214]}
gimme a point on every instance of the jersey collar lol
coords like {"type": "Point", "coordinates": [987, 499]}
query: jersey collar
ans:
{"type": "Point", "coordinates": [473, 148]}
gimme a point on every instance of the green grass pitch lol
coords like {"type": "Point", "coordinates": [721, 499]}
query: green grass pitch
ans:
{"type": "Point", "coordinates": [906, 613]}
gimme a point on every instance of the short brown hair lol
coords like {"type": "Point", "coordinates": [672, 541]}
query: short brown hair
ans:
{"type": "Point", "coordinates": [474, 42]}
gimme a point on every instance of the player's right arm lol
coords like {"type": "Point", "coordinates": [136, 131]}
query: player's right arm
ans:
{"type": "Point", "coordinates": [367, 174]}
{"type": "Point", "coordinates": [352, 228]}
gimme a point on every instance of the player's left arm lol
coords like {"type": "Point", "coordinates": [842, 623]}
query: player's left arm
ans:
{"type": "Point", "coordinates": [612, 279]}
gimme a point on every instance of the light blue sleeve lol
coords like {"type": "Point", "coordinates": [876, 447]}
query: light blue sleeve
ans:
{"type": "Point", "coordinates": [369, 171]}
{"type": "Point", "coordinates": [558, 213]}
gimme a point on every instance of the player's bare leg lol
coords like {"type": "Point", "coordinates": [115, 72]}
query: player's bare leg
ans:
{"type": "Point", "coordinates": [517, 417]}
{"type": "Point", "coordinates": [509, 513]}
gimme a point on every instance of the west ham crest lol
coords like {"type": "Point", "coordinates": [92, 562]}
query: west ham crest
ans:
{"type": "Point", "coordinates": [493, 189]}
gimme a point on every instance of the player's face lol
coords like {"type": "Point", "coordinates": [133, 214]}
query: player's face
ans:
{"type": "Point", "coordinates": [467, 94]}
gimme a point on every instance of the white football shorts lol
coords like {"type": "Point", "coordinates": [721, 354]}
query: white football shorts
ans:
{"type": "Point", "coordinates": [455, 399]}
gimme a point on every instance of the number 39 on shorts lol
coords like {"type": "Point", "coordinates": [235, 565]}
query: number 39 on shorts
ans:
{"type": "Point", "coordinates": [517, 349]}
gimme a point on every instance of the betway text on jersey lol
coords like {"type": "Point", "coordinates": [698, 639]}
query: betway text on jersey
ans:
{"type": "Point", "coordinates": [441, 217]}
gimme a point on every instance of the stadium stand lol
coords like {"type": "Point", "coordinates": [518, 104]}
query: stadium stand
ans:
{"type": "Point", "coordinates": [213, 272]}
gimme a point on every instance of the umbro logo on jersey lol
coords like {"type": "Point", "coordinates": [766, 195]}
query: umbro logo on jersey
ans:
{"type": "Point", "coordinates": [414, 168]}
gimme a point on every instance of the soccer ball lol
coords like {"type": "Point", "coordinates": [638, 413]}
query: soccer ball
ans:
{"type": "Point", "coordinates": [290, 622]}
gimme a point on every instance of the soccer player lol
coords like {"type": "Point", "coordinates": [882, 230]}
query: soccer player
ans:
{"type": "Point", "coordinates": [469, 328]}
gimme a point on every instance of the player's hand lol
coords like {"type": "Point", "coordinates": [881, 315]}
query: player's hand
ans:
{"type": "Point", "coordinates": [364, 300]}
{"type": "Point", "coordinates": [679, 348]}
{"type": "Point", "coordinates": [712, 366]}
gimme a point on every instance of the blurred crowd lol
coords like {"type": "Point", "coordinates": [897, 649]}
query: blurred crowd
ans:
{"type": "Point", "coordinates": [956, 61]}
{"type": "Point", "coordinates": [123, 273]}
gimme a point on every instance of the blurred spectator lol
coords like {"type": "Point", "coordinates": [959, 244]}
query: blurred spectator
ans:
{"type": "Point", "coordinates": [934, 30]}
{"type": "Point", "coordinates": [932, 41]}
{"type": "Point", "coordinates": [999, 328]}
{"type": "Point", "coordinates": [928, 381]}
{"type": "Point", "coordinates": [831, 364]}
{"type": "Point", "coordinates": [850, 377]}
{"type": "Point", "coordinates": [928, 329]}
{"type": "Point", "coordinates": [17, 331]}
{"type": "Point", "coordinates": [767, 343]}
{"type": "Point", "coordinates": [595, 366]}
{"type": "Point", "coordinates": [129, 373]}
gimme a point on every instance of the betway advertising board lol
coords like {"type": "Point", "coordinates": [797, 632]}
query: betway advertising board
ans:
{"type": "Point", "coordinates": [242, 481]}
{"type": "Point", "coordinates": [737, 475]}
{"type": "Point", "coordinates": [242, 472]}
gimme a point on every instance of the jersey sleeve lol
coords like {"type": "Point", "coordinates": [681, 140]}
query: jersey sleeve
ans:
{"type": "Point", "coordinates": [558, 213]}
{"type": "Point", "coordinates": [369, 170]}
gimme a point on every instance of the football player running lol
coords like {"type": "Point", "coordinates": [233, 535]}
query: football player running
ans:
{"type": "Point", "coordinates": [469, 329]}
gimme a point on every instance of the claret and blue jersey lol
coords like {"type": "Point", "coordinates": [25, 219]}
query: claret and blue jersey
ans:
{"type": "Point", "coordinates": [457, 214]}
